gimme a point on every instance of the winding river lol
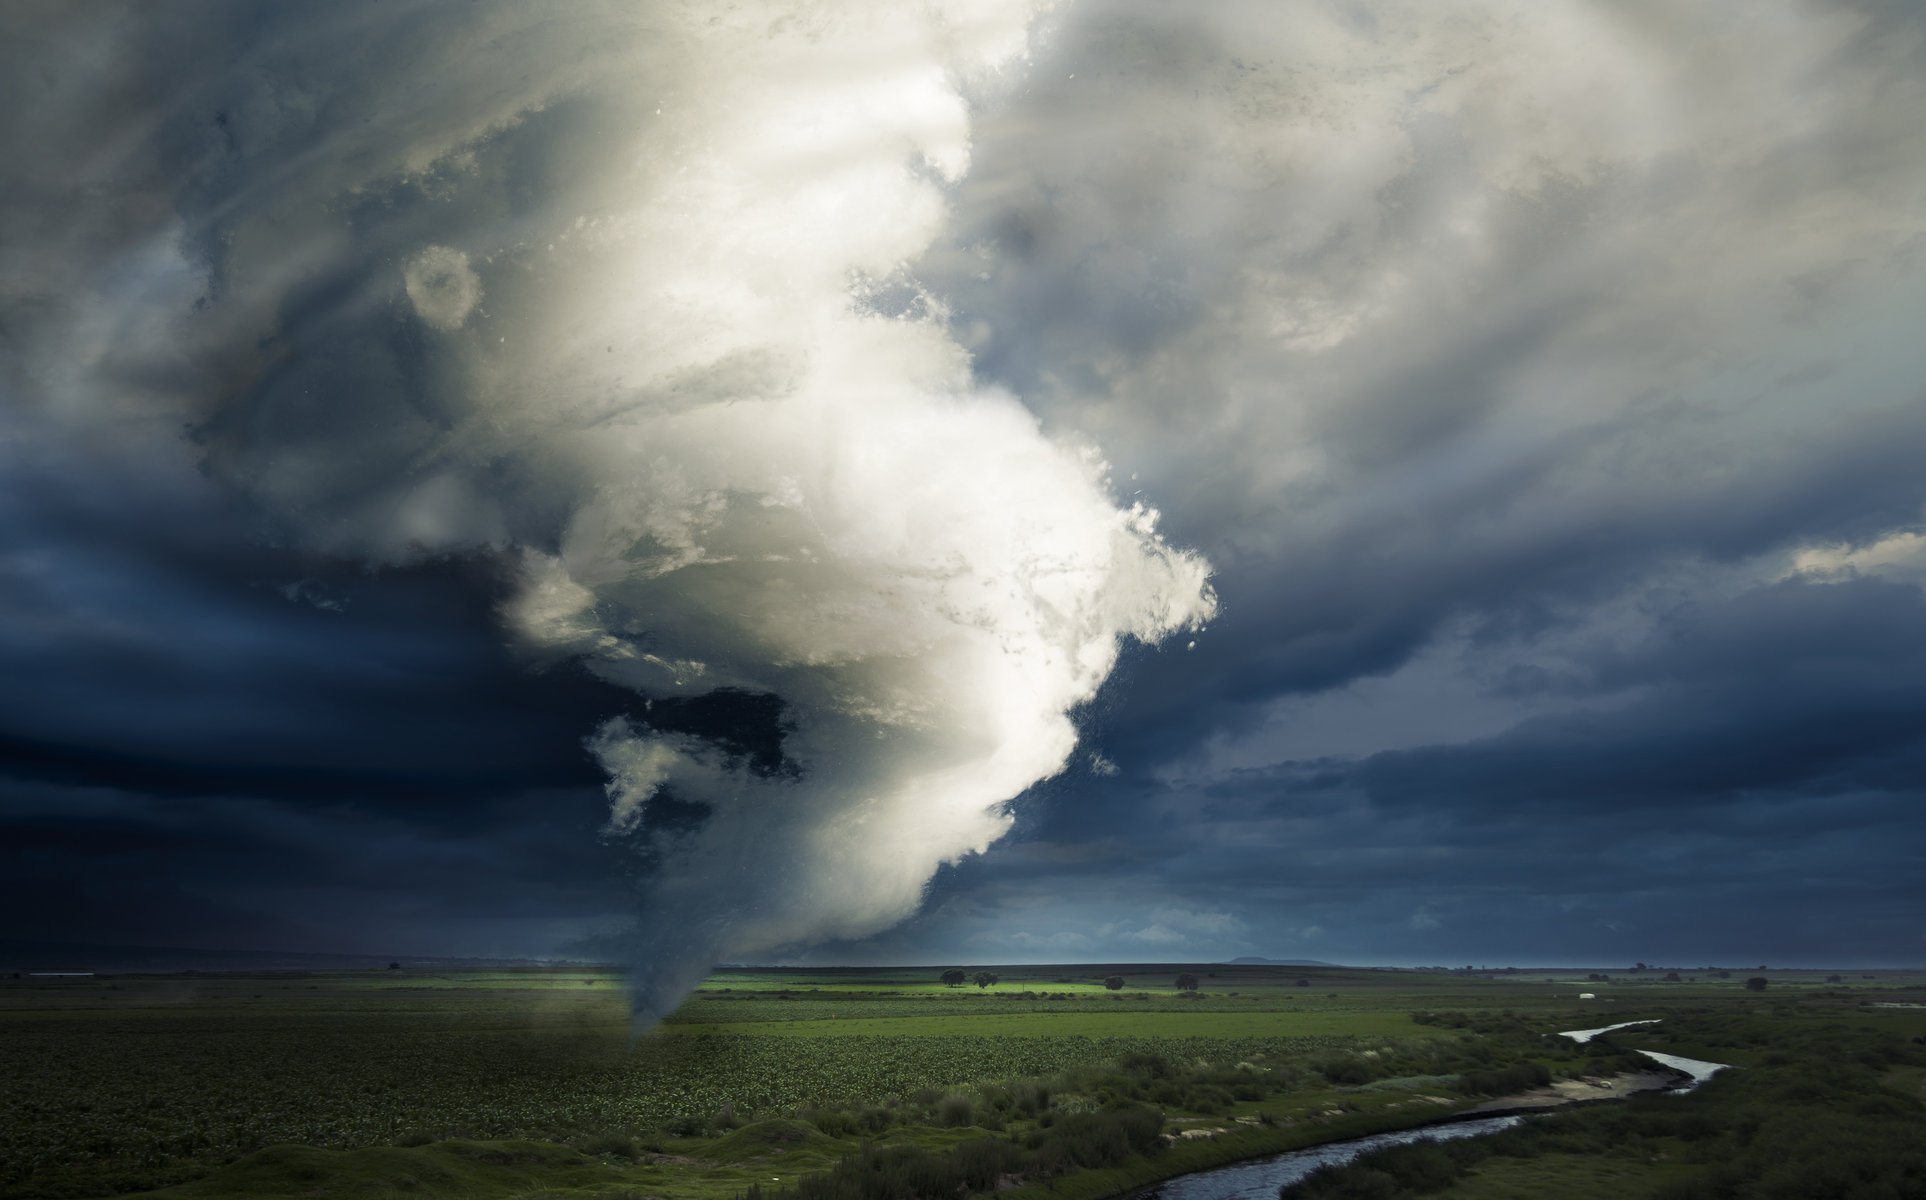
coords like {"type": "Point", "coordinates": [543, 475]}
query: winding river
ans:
{"type": "Point", "coordinates": [1260, 1178]}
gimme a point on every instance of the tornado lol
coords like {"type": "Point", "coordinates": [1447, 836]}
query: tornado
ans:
{"type": "Point", "coordinates": [623, 298]}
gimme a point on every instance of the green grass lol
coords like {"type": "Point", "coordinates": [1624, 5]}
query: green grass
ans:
{"type": "Point", "coordinates": [228, 1085]}
{"type": "Point", "coordinates": [1568, 1177]}
{"type": "Point", "coordinates": [1085, 1023]}
{"type": "Point", "coordinates": [1816, 1115]}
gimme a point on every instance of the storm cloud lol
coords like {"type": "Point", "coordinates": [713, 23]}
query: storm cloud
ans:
{"type": "Point", "coordinates": [427, 413]}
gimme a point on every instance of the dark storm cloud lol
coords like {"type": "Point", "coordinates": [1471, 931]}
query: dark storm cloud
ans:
{"type": "Point", "coordinates": [1541, 381]}
{"type": "Point", "coordinates": [1744, 781]}
{"type": "Point", "coordinates": [156, 643]}
{"type": "Point", "coordinates": [1538, 394]}
{"type": "Point", "coordinates": [1797, 689]}
{"type": "Point", "coordinates": [205, 740]}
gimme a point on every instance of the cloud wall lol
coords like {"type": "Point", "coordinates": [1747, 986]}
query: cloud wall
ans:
{"type": "Point", "coordinates": [617, 295]}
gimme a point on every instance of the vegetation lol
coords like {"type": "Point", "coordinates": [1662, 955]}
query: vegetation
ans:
{"type": "Point", "coordinates": [1819, 1116]}
{"type": "Point", "coordinates": [483, 1084]}
{"type": "Point", "coordinates": [1079, 1141]}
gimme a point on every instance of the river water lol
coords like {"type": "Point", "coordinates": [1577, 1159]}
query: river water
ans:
{"type": "Point", "coordinates": [1697, 1068]}
{"type": "Point", "coordinates": [1586, 1035]}
{"type": "Point", "coordinates": [1259, 1178]}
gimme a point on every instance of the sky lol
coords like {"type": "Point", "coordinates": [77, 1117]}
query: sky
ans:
{"type": "Point", "coordinates": [1378, 482]}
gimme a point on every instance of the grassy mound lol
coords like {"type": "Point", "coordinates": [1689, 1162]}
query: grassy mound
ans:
{"type": "Point", "coordinates": [778, 1136]}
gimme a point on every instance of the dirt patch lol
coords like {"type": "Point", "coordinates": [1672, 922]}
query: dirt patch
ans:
{"type": "Point", "coordinates": [1582, 1090]}
{"type": "Point", "coordinates": [1194, 1135]}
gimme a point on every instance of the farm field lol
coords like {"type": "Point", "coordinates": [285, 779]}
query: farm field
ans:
{"type": "Point", "coordinates": [516, 1083]}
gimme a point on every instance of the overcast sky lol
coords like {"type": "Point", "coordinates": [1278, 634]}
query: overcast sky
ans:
{"type": "Point", "coordinates": [1432, 481]}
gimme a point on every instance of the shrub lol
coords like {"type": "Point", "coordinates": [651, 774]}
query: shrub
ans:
{"type": "Point", "coordinates": [613, 1145]}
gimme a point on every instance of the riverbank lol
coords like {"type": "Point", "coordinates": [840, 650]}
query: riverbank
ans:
{"type": "Point", "coordinates": [1822, 1115]}
{"type": "Point", "coordinates": [1567, 1092]}
{"type": "Point", "coordinates": [1189, 1154]}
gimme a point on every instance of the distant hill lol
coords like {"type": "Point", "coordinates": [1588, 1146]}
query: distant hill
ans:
{"type": "Point", "coordinates": [1280, 962]}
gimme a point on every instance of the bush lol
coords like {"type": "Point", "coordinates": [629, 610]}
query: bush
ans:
{"type": "Point", "coordinates": [834, 1122]}
{"type": "Point", "coordinates": [1154, 1066]}
{"type": "Point", "coordinates": [612, 1145]}
{"type": "Point", "coordinates": [1344, 1070]}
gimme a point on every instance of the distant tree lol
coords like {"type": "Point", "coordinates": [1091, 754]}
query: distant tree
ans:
{"type": "Point", "coordinates": [954, 977]}
{"type": "Point", "coordinates": [1835, 979]}
{"type": "Point", "coordinates": [1756, 984]}
{"type": "Point", "coordinates": [985, 978]}
{"type": "Point", "coordinates": [1672, 977]}
{"type": "Point", "coordinates": [1187, 983]}
{"type": "Point", "coordinates": [1638, 966]}
{"type": "Point", "coordinates": [1114, 983]}
{"type": "Point", "coordinates": [394, 966]}
{"type": "Point", "coordinates": [1304, 983]}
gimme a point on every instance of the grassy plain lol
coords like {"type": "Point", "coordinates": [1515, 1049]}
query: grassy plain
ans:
{"type": "Point", "coordinates": [532, 1083]}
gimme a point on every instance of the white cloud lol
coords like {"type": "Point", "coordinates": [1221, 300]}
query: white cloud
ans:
{"type": "Point", "coordinates": [1900, 556]}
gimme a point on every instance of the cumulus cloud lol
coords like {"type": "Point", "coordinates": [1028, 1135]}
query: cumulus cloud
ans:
{"type": "Point", "coordinates": [599, 296]}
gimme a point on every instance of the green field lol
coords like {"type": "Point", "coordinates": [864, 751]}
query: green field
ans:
{"type": "Point", "coordinates": [513, 1083]}
{"type": "Point", "coordinates": [1827, 1107]}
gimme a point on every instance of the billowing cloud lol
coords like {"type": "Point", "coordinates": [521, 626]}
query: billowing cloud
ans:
{"type": "Point", "coordinates": [623, 321]}
{"type": "Point", "coordinates": [1540, 380]}
{"type": "Point", "coordinates": [1412, 311]}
